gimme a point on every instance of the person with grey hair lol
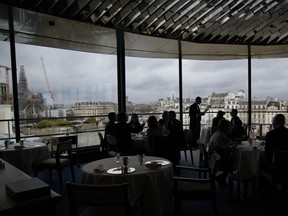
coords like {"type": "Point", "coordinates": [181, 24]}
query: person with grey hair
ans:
{"type": "Point", "coordinates": [220, 143]}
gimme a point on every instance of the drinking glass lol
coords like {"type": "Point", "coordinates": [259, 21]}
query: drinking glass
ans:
{"type": "Point", "coordinates": [117, 158]}
{"type": "Point", "coordinates": [140, 158]}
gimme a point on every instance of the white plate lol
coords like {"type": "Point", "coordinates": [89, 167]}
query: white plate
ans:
{"type": "Point", "coordinates": [118, 170]}
{"type": "Point", "coordinates": [163, 162]}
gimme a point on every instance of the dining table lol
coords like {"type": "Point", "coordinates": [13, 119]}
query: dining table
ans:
{"type": "Point", "coordinates": [204, 135]}
{"type": "Point", "coordinates": [152, 187]}
{"type": "Point", "coordinates": [246, 157]}
{"type": "Point", "coordinates": [42, 205]}
{"type": "Point", "coordinates": [24, 157]}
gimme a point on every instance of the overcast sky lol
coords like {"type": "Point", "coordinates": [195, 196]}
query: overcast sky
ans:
{"type": "Point", "coordinates": [78, 76]}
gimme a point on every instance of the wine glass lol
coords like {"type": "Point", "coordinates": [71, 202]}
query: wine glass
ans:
{"type": "Point", "coordinates": [117, 158]}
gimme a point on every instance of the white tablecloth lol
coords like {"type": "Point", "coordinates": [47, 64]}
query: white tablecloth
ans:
{"type": "Point", "coordinates": [154, 184]}
{"type": "Point", "coordinates": [23, 158]}
{"type": "Point", "coordinates": [204, 135]}
{"type": "Point", "coordinates": [246, 157]}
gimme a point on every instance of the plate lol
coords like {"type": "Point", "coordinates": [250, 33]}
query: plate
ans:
{"type": "Point", "coordinates": [162, 162]}
{"type": "Point", "coordinates": [118, 170]}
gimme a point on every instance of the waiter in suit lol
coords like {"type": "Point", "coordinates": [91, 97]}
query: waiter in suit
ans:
{"type": "Point", "coordinates": [195, 120]}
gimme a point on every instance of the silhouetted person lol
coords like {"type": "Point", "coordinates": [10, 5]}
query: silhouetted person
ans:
{"type": "Point", "coordinates": [195, 120]}
{"type": "Point", "coordinates": [176, 135]}
{"type": "Point", "coordinates": [110, 127]}
{"type": "Point", "coordinates": [220, 115]}
{"type": "Point", "coordinates": [276, 139]}
{"type": "Point", "coordinates": [236, 125]}
{"type": "Point", "coordinates": [135, 125]}
{"type": "Point", "coordinates": [165, 118]}
{"type": "Point", "coordinates": [123, 135]}
{"type": "Point", "coordinates": [220, 143]}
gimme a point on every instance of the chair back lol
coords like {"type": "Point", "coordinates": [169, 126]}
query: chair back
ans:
{"type": "Point", "coordinates": [101, 138]}
{"type": "Point", "coordinates": [188, 136]}
{"type": "Point", "coordinates": [112, 143]}
{"type": "Point", "coordinates": [203, 155]}
{"type": "Point", "coordinates": [64, 149]}
{"type": "Point", "coordinates": [214, 164]}
{"type": "Point", "coordinates": [108, 199]}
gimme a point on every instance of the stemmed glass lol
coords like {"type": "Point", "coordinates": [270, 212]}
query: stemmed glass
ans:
{"type": "Point", "coordinates": [117, 158]}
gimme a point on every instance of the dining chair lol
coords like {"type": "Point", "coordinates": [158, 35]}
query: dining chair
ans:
{"type": "Point", "coordinates": [103, 147]}
{"type": "Point", "coordinates": [188, 145]}
{"type": "Point", "coordinates": [189, 188]}
{"type": "Point", "coordinates": [87, 199]}
{"type": "Point", "coordinates": [276, 174]}
{"type": "Point", "coordinates": [57, 161]}
{"type": "Point", "coordinates": [112, 145]}
{"type": "Point", "coordinates": [203, 159]}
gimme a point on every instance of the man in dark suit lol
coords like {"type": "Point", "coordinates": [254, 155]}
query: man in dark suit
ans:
{"type": "Point", "coordinates": [122, 132]}
{"type": "Point", "coordinates": [276, 139]}
{"type": "Point", "coordinates": [195, 120]}
{"type": "Point", "coordinates": [237, 126]}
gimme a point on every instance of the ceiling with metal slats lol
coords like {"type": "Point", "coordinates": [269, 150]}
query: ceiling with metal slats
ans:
{"type": "Point", "coordinates": [207, 29]}
{"type": "Point", "coordinates": [255, 22]}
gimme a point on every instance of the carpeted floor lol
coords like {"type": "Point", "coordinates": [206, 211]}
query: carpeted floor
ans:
{"type": "Point", "coordinates": [276, 204]}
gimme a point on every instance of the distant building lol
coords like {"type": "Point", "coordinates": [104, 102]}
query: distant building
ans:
{"type": "Point", "coordinates": [30, 104]}
{"type": "Point", "coordinates": [93, 108]}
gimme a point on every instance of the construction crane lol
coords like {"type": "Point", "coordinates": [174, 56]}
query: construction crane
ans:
{"type": "Point", "coordinates": [49, 89]}
{"type": "Point", "coordinates": [7, 82]}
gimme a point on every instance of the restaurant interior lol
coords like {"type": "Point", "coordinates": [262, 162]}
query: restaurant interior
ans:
{"type": "Point", "coordinates": [180, 29]}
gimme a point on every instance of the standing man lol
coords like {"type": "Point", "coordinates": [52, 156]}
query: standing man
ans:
{"type": "Point", "coordinates": [237, 126]}
{"type": "Point", "coordinates": [195, 120]}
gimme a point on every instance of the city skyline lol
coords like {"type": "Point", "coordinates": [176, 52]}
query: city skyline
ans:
{"type": "Point", "coordinates": [147, 79]}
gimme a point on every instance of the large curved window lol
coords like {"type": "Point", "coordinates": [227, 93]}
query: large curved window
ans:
{"type": "Point", "coordinates": [223, 85]}
{"type": "Point", "coordinates": [64, 91]}
{"type": "Point", "coordinates": [269, 92]}
{"type": "Point", "coordinates": [152, 85]}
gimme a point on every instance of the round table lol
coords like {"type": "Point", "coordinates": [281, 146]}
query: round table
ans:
{"type": "Point", "coordinates": [246, 157]}
{"type": "Point", "coordinates": [25, 157]}
{"type": "Point", "coordinates": [155, 185]}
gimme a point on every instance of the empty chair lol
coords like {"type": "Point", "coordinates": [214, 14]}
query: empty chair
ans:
{"type": "Point", "coordinates": [188, 145]}
{"type": "Point", "coordinates": [187, 188]}
{"type": "Point", "coordinates": [57, 162]}
{"type": "Point", "coordinates": [85, 200]}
